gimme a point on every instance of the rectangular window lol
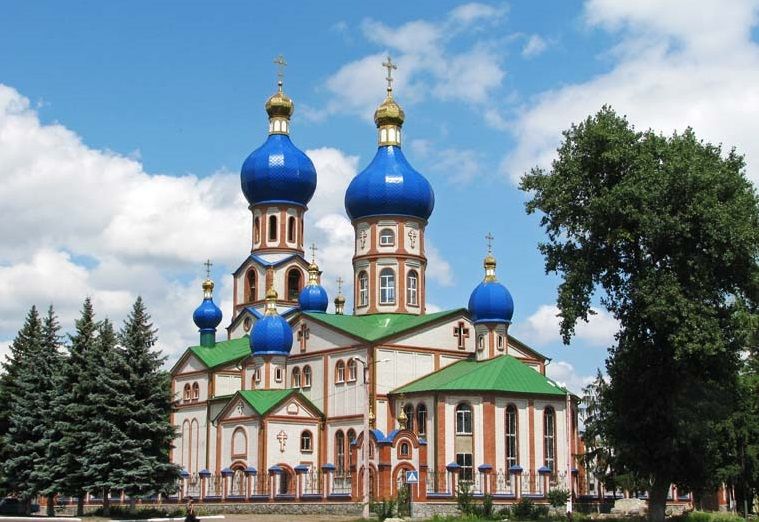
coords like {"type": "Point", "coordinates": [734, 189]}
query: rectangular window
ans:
{"type": "Point", "coordinates": [387, 286]}
{"type": "Point", "coordinates": [466, 472]}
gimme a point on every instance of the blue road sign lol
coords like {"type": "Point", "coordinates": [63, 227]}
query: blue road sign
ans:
{"type": "Point", "coordinates": [412, 477]}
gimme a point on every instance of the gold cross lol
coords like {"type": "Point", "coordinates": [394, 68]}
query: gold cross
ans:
{"type": "Point", "coordinates": [389, 65]}
{"type": "Point", "coordinates": [281, 64]}
{"type": "Point", "coordinates": [313, 252]}
{"type": "Point", "coordinates": [208, 266]}
{"type": "Point", "coordinates": [339, 285]}
{"type": "Point", "coordinates": [489, 238]}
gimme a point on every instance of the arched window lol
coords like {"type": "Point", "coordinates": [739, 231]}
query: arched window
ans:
{"type": "Point", "coordinates": [306, 441]}
{"type": "Point", "coordinates": [239, 443]}
{"type": "Point", "coordinates": [187, 392]}
{"type": "Point", "coordinates": [363, 289]}
{"type": "Point", "coordinates": [408, 409]}
{"type": "Point", "coordinates": [412, 288]}
{"type": "Point", "coordinates": [340, 452]}
{"type": "Point", "coordinates": [291, 229]}
{"type": "Point", "coordinates": [256, 230]}
{"type": "Point", "coordinates": [421, 419]}
{"type": "Point", "coordinates": [405, 449]}
{"type": "Point", "coordinates": [350, 436]}
{"type": "Point", "coordinates": [500, 342]}
{"type": "Point", "coordinates": [277, 374]}
{"type": "Point", "coordinates": [387, 286]}
{"type": "Point", "coordinates": [257, 376]}
{"type": "Point", "coordinates": [549, 438]}
{"type": "Point", "coordinates": [251, 289]}
{"type": "Point", "coordinates": [512, 441]}
{"type": "Point", "coordinates": [340, 372]}
{"type": "Point", "coordinates": [386, 237]}
{"type": "Point", "coordinates": [195, 391]}
{"type": "Point", "coordinates": [352, 370]}
{"type": "Point", "coordinates": [463, 419]}
{"type": "Point", "coordinates": [480, 342]}
{"type": "Point", "coordinates": [296, 377]}
{"type": "Point", "coordinates": [272, 228]}
{"type": "Point", "coordinates": [306, 376]}
{"type": "Point", "coordinates": [293, 284]}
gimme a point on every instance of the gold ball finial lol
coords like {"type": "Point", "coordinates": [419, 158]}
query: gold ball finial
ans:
{"type": "Point", "coordinates": [207, 286]}
{"type": "Point", "coordinates": [280, 105]}
{"type": "Point", "coordinates": [489, 262]}
{"type": "Point", "coordinates": [271, 294]}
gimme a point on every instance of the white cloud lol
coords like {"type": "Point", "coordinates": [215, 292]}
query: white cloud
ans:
{"type": "Point", "coordinates": [542, 327]}
{"type": "Point", "coordinates": [427, 63]}
{"type": "Point", "coordinates": [534, 46]}
{"type": "Point", "coordinates": [565, 374]}
{"type": "Point", "coordinates": [86, 222]}
{"type": "Point", "coordinates": [675, 65]}
{"type": "Point", "coordinates": [438, 269]}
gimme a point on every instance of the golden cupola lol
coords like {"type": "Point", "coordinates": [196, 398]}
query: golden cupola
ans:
{"type": "Point", "coordinates": [389, 115]}
{"type": "Point", "coordinates": [279, 106]}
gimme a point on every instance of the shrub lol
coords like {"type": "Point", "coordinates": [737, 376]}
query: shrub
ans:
{"type": "Point", "coordinates": [118, 512]}
{"type": "Point", "coordinates": [523, 510]}
{"type": "Point", "coordinates": [558, 497]}
{"type": "Point", "coordinates": [384, 509]}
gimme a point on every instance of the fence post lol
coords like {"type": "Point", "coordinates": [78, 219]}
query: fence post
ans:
{"type": "Point", "coordinates": [485, 470]}
{"type": "Point", "coordinates": [226, 473]}
{"type": "Point", "coordinates": [327, 469]}
{"type": "Point", "coordinates": [250, 473]}
{"type": "Point", "coordinates": [203, 474]}
{"type": "Point", "coordinates": [184, 475]}
{"type": "Point", "coordinates": [516, 472]}
{"type": "Point", "coordinates": [300, 475]}
{"type": "Point", "coordinates": [453, 469]}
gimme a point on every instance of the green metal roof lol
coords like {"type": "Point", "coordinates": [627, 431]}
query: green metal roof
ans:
{"type": "Point", "coordinates": [501, 374]}
{"type": "Point", "coordinates": [264, 400]}
{"type": "Point", "coordinates": [223, 352]}
{"type": "Point", "coordinates": [373, 327]}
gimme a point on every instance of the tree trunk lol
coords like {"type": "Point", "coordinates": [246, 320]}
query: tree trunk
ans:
{"type": "Point", "coordinates": [106, 502]}
{"type": "Point", "coordinates": [28, 507]}
{"type": "Point", "coordinates": [657, 500]}
{"type": "Point", "coordinates": [80, 504]}
{"type": "Point", "coordinates": [51, 505]}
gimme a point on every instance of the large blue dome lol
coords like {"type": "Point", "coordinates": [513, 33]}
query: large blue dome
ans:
{"type": "Point", "coordinates": [389, 186]}
{"type": "Point", "coordinates": [278, 172]}
{"type": "Point", "coordinates": [271, 335]}
{"type": "Point", "coordinates": [313, 298]}
{"type": "Point", "coordinates": [491, 302]}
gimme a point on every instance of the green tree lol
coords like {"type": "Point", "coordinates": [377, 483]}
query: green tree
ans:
{"type": "Point", "coordinates": [107, 389]}
{"type": "Point", "coordinates": [147, 469]}
{"type": "Point", "coordinates": [73, 412]}
{"type": "Point", "coordinates": [21, 437]}
{"type": "Point", "coordinates": [667, 230]}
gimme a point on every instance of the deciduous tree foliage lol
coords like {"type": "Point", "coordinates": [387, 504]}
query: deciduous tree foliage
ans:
{"type": "Point", "coordinates": [666, 230]}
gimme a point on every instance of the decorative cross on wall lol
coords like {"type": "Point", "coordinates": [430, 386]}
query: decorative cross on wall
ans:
{"type": "Point", "coordinates": [412, 237]}
{"type": "Point", "coordinates": [362, 238]}
{"type": "Point", "coordinates": [303, 334]}
{"type": "Point", "coordinates": [282, 438]}
{"type": "Point", "coordinates": [462, 333]}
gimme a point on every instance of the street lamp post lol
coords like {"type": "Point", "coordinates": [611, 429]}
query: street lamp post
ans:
{"type": "Point", "coordinates": [365, 446]}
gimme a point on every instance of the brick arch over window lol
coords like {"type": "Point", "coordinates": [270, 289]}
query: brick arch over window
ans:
{"type": "Point", "coordinates": [294, 284]}
{"type": "Point", "coordinates": [239, 443]}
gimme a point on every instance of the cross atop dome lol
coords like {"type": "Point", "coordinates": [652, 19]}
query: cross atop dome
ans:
{"type": "Point", "coordinates": [489, 238]}
{"type": "Point", "coordinates": [281, 64]}
{"type": "Point", "coordinates": [208, 266]}
{"type": "Point", "coordinates": [389, 65]}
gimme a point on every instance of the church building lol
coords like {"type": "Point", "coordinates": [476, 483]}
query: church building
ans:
{"type": "Point", "coordinates": [293, 403]}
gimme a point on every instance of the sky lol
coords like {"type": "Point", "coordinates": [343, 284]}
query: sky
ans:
{"type": "Point", "coordinates": [123, 126]}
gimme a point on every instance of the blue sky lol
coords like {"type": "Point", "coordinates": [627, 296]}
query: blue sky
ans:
{"type": "Point", "coordinates": [123, 127]}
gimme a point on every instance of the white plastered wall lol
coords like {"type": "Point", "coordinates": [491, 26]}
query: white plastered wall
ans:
{"type": "Point", "coordinates": [440, 337]}
{"type": "Point", "coordinates": [402, 367]}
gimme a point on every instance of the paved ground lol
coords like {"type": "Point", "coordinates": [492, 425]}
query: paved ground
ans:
{"type": "Point", "coordinates": [285, 518]}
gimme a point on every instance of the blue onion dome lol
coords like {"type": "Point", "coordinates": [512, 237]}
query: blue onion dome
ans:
{"type": "Point", "coordinates": [389, 185]}
{"type": "Point", "coordinates": [313, 297]}
{"type": "Point", "coordinates": [272, 334]}
{"type": "Point", "coordinates": [277, 171]}
{"type": "Point", "coordinates": [491, 302]}
{"type": "Point", "coordinates": [207, 316]}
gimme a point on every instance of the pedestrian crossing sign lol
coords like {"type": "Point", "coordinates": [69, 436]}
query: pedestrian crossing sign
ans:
{"type": "Point", "coordinates": [412, 477]}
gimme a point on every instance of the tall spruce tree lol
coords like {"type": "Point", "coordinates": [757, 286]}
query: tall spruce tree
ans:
{"type": "Point", "coordinates": [72, 411]}
{"type": "Point", "coordinates": [21, 437]}
{"type": "Point", "coordinates": [49, 365]}
{"type": "Point", "coordinates": [108, 393]}
{"type": "Point", "coordinates": [146, 469]}
{"type": "Point", "coordinates": [667, 229]}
